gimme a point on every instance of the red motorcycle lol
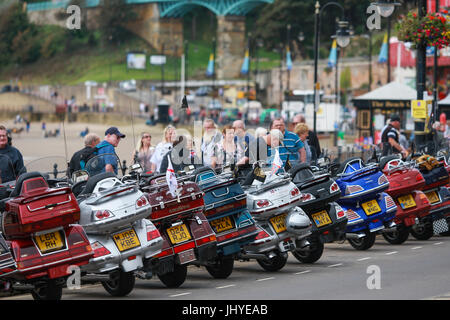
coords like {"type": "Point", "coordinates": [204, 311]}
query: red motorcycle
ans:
{"type": "Point", "coordinates": [405, 183]}
{"type": "Point", "coordinates": [39, 225]}
{"type": "Point", "coordinates": [187, 236]}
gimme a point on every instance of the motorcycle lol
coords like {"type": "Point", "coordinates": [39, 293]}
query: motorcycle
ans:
{"type": "Point", "coordinates": [319, 193]}
{"type": "Point", "coordinates": [187, 235]}
{"type": "Point", "coordinates": [405, 184]}
{"type": "Point", "coordinates": [273, 200]}
{"type": "Point", "coordinates": [369, 209]}
{"type": "Point", "coordinates": [113, 214]}
{"type": "Point", "coordinates": [436, 178]}
{"type": "Point", "coordinates": [40, 225]}
{"type": "Point", "coordinates": [227, 213]}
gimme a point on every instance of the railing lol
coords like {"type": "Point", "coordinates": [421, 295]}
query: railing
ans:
{"type": "Point", "coordinates": [60, 4]}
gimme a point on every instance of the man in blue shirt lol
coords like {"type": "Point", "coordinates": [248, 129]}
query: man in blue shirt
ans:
{"type": "Point", "coordinates": [291, 146]}
{"type": "Point", "coordinates": [107, 146]}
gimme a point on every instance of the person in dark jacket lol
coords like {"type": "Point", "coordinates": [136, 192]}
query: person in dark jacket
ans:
{"type": "Point", "coordinates": [12, 168]}
{"type": "Point", "coordinates": [90, 141]}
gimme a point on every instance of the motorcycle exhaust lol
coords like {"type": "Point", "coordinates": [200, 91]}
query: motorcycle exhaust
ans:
{"type": "Point", "coordinates": [303, 243]}
{"type": "Point", "coordinates": [392, 226]}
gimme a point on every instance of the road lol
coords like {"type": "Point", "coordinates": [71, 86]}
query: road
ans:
{"type": "Point", "coordinates": [413, 270]}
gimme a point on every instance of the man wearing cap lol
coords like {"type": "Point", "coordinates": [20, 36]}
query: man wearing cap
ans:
{"type": "Point", "coordinates": [108, 145]}
{"type": "Point", "coordinates": [390, 137]}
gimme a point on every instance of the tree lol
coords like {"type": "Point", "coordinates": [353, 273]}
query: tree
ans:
{"type": "Point", "coordinates": [114, 14]}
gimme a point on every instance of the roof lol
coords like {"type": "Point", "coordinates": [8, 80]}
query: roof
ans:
{"type": "Point", "coordinates": [390, 91]}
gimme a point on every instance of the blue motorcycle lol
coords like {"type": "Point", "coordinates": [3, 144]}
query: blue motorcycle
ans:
{"type": "Point", "coordinates": [369, 209]}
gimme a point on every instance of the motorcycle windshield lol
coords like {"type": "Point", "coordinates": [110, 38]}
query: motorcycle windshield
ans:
{"type": "Point", "coordinates": [7, 172]}
{"type": "Point", "coordinates": [49, 167]}
{"type": "Point", "coordinates": [106, 162]}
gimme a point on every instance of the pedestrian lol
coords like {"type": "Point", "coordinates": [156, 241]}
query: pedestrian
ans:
{"type": "Point", "coordinates": [302, 131]}
{"type": "Point", "coordinates": [144, 152]}
{"type": "Point", "coordinates": [312, 138]}
{"type": "Point", "coordinates": [90, 141]}
{"type": "Point", "coordinates": [292, 147]}
{"type": "Point", "coordinates": [181, 155]}
{"type": "Point", "coordinates": [226, 149]}
{"type": "Point", "coordinates": [210, 140]}
{"type": "Point", "coordinates": [107, 148]}
{"type": "Point", "coordinates": [28, 125]}
{"type": "Point", "coordinates": [11, 167]}
{"type": "Point", "coordinates": [243, 140]}
{"type": "Point", "coordinates": [390, 137]}
{"type": "Point", "coordinates": [163, 147]}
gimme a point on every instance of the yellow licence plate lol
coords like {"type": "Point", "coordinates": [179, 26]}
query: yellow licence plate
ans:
{"type": "Point", "coordinates": [51, 241]}
{"type": "Point", "coordinates": [371, 207]}
{"type": "Point", "coordinates": [432, 196]}
{"type": "Point", "coordinates": [321, 218]}
{"type": "Point", "coordinates": [279, 223]}
{"type": "Point", "coordinates": [178, 234]}
{"type": "Point", "coordinates": [406, 201]}
{"type": "Point", "coordinates": [221, 224]}
{"type": "Point", "coordinates": [126, 240]}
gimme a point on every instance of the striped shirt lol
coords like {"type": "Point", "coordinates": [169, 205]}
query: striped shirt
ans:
{"type": "Point", "coordinates": [291, 146]}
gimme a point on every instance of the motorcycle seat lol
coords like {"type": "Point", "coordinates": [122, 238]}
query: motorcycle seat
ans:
{"type": "Point", "coordinates": [22, 178]}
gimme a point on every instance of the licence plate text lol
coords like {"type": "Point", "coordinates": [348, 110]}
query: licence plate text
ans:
{"type": "Point", "coordinates": [178, 234]}
{"type": "Point", "coordinates": [222, 224]}
{"type": "Point", "coordinates": [49, 242]}
{"type": "Point", "coordinates": [279, 223]}
{"type": "Point", "coordinates": [371, 207]}
{"type": "Point", "coordinates": [432, 197]}
{"type": "Point", "coordinates": [321, 218]}
{"type": "Point", "coordinates": [406, 201]}
{"type": "Point", "coordinates": [126, 240]}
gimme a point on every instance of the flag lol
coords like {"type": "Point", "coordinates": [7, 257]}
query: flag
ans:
{"type": "Point", "coordinates": [171, 179]}
{"type": "Point", "coordinates": [382, 57]}
{"type": "Point", "coordinates": [210, 69]}
{"type": "Point", "coordinates": [246, 63]}
{"type": "Point", "coordinates": [332, 59]}
{"type": "Point", "coordinates": [276, 164]}
{"type": "Point", "coordinates": [288, 59]}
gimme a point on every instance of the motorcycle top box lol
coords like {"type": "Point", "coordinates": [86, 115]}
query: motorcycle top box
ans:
{"type": "Point", "coordinates": [358, 181]}
{"type": "Point", "coordinates": [403, 177]}
{"type": "Point", "coordinates": [35, 207]}
{"type": "Point", "coordinates": [226, 210]}
{"type": "Point", "coordinates": [433, 171]}
{"type": "Point", "coordinates": [316, 189]}
{"type": "Point", "coordinates": [107, 204]}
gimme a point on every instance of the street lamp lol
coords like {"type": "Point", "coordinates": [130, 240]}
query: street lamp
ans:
{"type": "Point", "coordinates": [386, 7]}
{"type": "Point", "coordinates": [342, 38]}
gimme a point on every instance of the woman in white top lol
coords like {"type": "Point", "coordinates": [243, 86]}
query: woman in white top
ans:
{"type": "Point", "coordinates": [144, 152]}
{"type": "Point", "coordinates": [163, 147]}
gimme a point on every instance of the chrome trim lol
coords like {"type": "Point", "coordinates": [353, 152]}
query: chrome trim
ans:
{"type": "Point", "coordinates": [50, 205]}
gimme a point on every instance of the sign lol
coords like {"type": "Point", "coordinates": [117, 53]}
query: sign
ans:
{"type": "Point", "coordinates": [136, 60]}
{"type": "Point", "coordinates": [158, 60]}
{"type": "Point", "coordinates": [419, 109]}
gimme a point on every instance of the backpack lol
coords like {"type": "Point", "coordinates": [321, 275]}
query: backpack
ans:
{"type": "Point", "coordinates": [89, 154]}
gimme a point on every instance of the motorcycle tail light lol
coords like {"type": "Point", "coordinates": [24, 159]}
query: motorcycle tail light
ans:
{"type": "Point", "coordinates": [263, 203]}
{"type": "Point", "coordinates": [419, 177]}
{"type": "Point", "coordinates": [295, 192]}
{"type": "Point", "coordinates": [334, 187]}
{"type": "Point", "coordinates": [141, 202]}
{"type": "Point", "coordinates": [152, 232]}
{"type": "Point", "coordinates": [340, 213]}
{"type": "Point", "coordinates": [103, 214]}
{"type": "Point", "coordinates": [307, 197]}
{"type": "Point", "coordinates": [382, 179]}
{"type": "Point", "coordinates": [353, 189]}
{"type": "Point", "coordinates": [261, 235]}
{"type": "Point", "coordinates": [424, 198]}
{"type": "Point", "coordinates": [204, 240]}
{"type": "Point", "coordinates": [99, 250]}
{"type": "Point", "coordinates": [389, 202]}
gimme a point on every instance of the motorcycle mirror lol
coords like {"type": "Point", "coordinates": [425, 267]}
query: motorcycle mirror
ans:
{"type": "Point", "coordinates": [80, 175]}
{"type": "Point", "coordinates": [135, 168]}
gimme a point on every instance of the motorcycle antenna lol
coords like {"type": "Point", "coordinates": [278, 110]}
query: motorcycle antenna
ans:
{"type": "Point", "coordinates": [132, 124]}
{"type": "Point", "coordinates": [65, 146]}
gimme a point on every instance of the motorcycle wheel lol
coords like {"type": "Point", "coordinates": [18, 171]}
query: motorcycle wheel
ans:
{"type": "Point", "coordinates": [50, 291]}
{"type": "Point", "coordinates": [274, 264]}
{"type": "Point", "coordinates": [422, 231]}
{"type": "Point", "coordinates": [311, 255]}
{"type": "Point", "coordinates": [175, 278]}
{"type": "Point", "coordinates": [222, 268]}
{"type": "Point", "coordinates": [122, 285]}
{"type": "Point", "coordinates": [363, 243]}
{"type": "Point", "coordinates": [398, 236]}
